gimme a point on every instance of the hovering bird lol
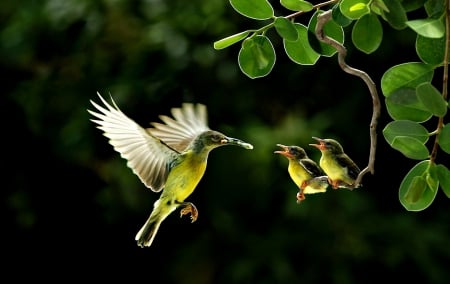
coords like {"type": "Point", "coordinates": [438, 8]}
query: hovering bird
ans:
{"type": "Point", "coordinates": [340, 169]}
{"type": "Point", "coordinates": [305, 173]}
{"type": "Point", "coordinates": [170, 156]}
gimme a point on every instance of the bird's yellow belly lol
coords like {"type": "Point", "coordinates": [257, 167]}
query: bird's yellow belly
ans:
{"type": "Point", "coordinates": [183, 179]}
{"type": "Point", "coordinates": [334, 171]}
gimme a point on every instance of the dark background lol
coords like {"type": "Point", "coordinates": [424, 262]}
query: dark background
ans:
{"type": "Point", "coordinates": [71, 207]}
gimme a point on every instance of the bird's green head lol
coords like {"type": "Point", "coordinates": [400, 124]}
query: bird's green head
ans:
{"type": "Point", "coordinates": [328, 145]}
{"type": "Point", "coordinates": [212, 139]}
{"type": "Point", "coordinates": [292, 152]}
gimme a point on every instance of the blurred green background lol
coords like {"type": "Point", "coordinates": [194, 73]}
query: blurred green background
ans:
{"type": "Point", "coordinates": [71, 207]}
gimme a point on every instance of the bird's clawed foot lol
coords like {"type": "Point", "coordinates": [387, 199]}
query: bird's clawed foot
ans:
{"type": "Point", "coordinates": [336, 184]}
{"type": "Point", "coordinates": [300, 194]}
{"type": "Point", "coordinates": [189, 208]}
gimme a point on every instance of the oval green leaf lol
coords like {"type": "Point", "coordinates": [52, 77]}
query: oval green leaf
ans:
{"type": "Point", "coordinates": [443, 175]}
{"type": "Point", "coordinates": [331, 29]}
{"type": "Point", "coordinates": [286, 29]}
{"type": "Point", "coordinates": [254, 9]}
{"type": "Point", "coordinates": [432, 99]}
{"type": "Point", "coordinates": [297, 5]}
{"type": "Point", "coordinates": [403, 104]}
{"type": "Point", "coordinates": [395, 14]}
{"type": "Point", "coordinates": [339, 18]}
{"type": "Point", "coordinates": [409, 74]}
{"type": "Point", "coordinates": [410, 147]}
{"type": "Point", "coordinates": [300, 51]}
{"type": "Point", "coordinates": [444, 138]}
{"type": "Point", "coordinates": [414, 193]}
{"type": "Point", "coordinates": [226, 42]}
{"type": "Point", "coordinates": [256, 57]}
{"type": "Point", "coordinates": [432, 28]}
{"type": "Point", "coordinates": [354, 9]}
{"type": "Point", "coordinates": [405, 128]}
{"type": "Point", "coordinates": [431, 50]}
{"type": "Point", "coordinates": [367, 33]}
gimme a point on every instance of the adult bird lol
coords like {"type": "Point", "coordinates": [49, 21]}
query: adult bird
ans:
{"type": "Point", "coordinates": [170, 156]}
{"type": "Point", "coordinates": [342, 172]}
{"type": "Point", "coordinates": [305, 173]}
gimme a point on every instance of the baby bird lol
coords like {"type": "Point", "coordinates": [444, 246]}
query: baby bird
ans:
{"type": "Point", "coordinates": [340, 169]}
{"type": "Point", "coordinates": [305, 173]}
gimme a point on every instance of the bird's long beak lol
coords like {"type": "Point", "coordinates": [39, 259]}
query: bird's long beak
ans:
{"type": "Point", "coordinates": [321, 145]}
{"type": "Point", "coordinates": [237, 142]}
{"type": "Point", "coordinates": [285, 151]}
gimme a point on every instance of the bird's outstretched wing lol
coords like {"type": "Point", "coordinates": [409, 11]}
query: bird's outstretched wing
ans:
{"type": "Point", "coordinates": [311, 167]}
{"type": "Point", "coordinates": [146, 156]}
{"type": "Point", "coordinates": [190, 121]}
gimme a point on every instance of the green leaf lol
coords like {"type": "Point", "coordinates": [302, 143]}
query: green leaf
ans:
{"type": "Point", "coordinates": [256, 57]}
{"type": "Point", "coordinates": [354, 9]}
{"type": "Point", "coordinates": [331, 29]}
{"type": "Point", "coordinates": [378, 7]}
{"type": "Point", "coordinates": [297, 5]}
{"type": "Point", "coordinates": [444, 138]}
{"type": "Point", "coordinates": [254, 9]}
{"type": "Point", "coordinates": [410, 147]}
{"type": "Point", "coordinates": [405, 128]}
{"type": "Point", "coordinates": [396, 16]}
{"type": "Point", "coordinates": [435, 8]}
{"type": "Point", "coordinates": [432, 28]}
{"type": "Point", "coordinates": [286, 29]}
{"type": "Point", "coordinates": [431, 50]}
{"type": "Point", "coordinates": [403, 104]}
{"type": "Point", "coordinates": [414, 193]}
{"type": "Point", "coordinates": [300, 51]}
{"type": "Point", "coordinates": [403, 75]}
{"type": "Point", "coordinates": [339, 18]}
{"type": "Point", "coordinates": [411, 5]}
{"type": "Point", "coordinates": [443, 175]}
{"type": "Point", "coordinates": [226, 42]}
{"type": "Point", "coordinates": [367, 33]}
{"type": "Point", "coordinates": [432, 99]}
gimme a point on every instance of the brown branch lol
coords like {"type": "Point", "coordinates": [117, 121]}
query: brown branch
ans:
{"type": "Point", "coordinates": [322, 19]}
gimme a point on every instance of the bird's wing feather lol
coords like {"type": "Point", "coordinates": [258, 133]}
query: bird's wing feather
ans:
{"type": "Point", "coordinates": [352, 169]}
{"type": "Point", "coordinates": [311, 167]}
{"type": "Point", "coordinates": [145, 155]}
{"type": "Point", "coordinates": [190, 120]}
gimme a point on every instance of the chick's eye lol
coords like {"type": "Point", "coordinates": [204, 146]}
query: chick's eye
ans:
{"type": "Point", "coordinates": [216, 138]}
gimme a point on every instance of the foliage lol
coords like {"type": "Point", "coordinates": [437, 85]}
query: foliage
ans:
{"type": "Point", "coordinates": [411, 97]}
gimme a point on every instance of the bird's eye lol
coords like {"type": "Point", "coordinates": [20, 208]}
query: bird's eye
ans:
{"type": "Point", "coordinates": [216, 138]}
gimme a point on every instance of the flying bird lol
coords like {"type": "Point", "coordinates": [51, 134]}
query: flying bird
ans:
{"type": "Point", "coordinates": [305, 173]}
{"type": "Point", "coordinates": [170, 156]}
{"type": "Point", "coordinates": [342, 172]}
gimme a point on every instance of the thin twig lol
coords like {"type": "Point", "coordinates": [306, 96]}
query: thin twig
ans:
{"type": "Point", "coordinates": [322, 19]}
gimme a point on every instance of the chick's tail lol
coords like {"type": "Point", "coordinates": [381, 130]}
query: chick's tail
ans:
{"type": "Point", "coordinates": [147, 233]}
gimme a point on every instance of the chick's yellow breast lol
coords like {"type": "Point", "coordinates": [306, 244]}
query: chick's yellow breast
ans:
{"type": "Point", "coordinates": [332, 168]}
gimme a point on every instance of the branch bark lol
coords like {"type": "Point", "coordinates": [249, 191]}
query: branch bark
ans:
{"type": "Point", "coordinates": [322, 19]}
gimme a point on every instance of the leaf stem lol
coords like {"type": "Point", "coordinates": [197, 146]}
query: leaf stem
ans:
{"type": "Point", "coordinates": [322, 19]}
{"type": "Point", "coordinates": [444, 82]}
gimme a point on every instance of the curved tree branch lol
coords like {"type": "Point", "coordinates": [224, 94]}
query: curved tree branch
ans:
{"type": "Point", "coordinates": [322, 19]}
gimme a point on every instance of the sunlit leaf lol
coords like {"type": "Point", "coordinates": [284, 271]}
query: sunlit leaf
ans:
{"type": "Point", "coordinates": [286, 29]}
{"type": "Point", "coordinates": [331, 29]}
{"type": "Point", "coordinates": [414, 192]}
{"type": "Point", "coordinates": [339, 18]}
{"type": "Point", "coordinates": [405, 128]}
{"type": "Point", "coordinates": [409, 74]}
{"type": "Point", "coordinates": [254, 9]}
{"type": "Point", "coordinates": [367, 33]}
{"type": "Point", "coordinates": [430, 50]}
{"type": "Point", "coordinates": [297, 5]}
{"type": "Point", "coordinates": [432, 28]}
{"type": "Point", "coordinates": [432, 99]}
{"type": "Point", "coordinates": [410, 147]}
{"type": "Point", "coordinates": [443, 175]}
{"type": "Point", "coordinates": [300, 51]}
{"type": "Point", "coordinates": [226, 42]}
{"type": "Point", "coordinates": [354, 9]}
{"type": "Point", "coordinates": [403, 104]}
{"type": "Point", "coordinates": [396, 17]}
{"type": "Point", "coordinates": [444, 138]}
{"type": "Point", "coordinates": [256, 57]}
